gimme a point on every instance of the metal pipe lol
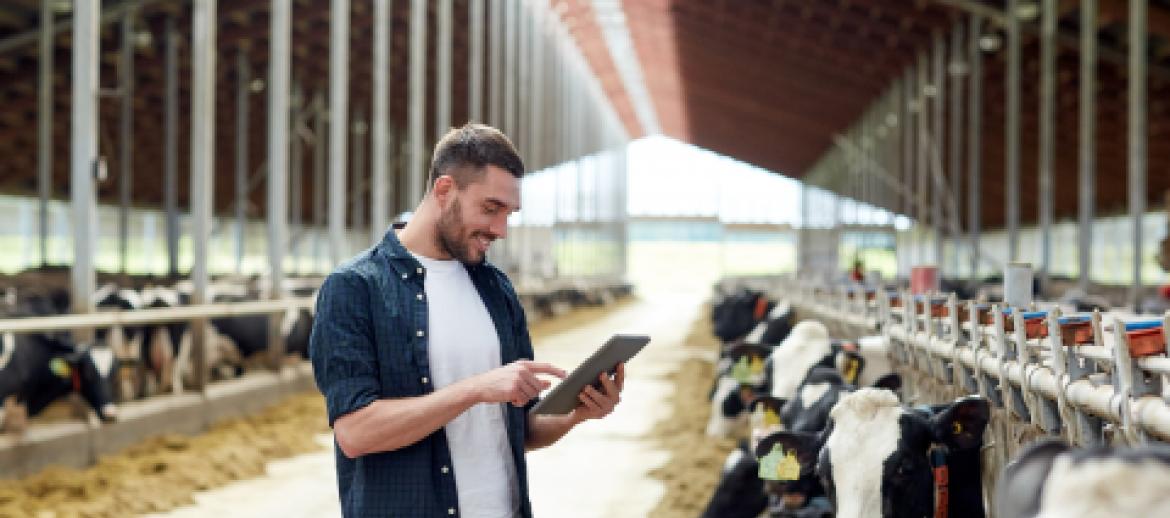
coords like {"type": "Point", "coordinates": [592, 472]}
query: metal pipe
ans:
{"type": "Point", "coordinates": [203, 53]}
{"type": "Point", "coordinates": [1087, 182]}
{"type": "Point", "coordinates": [319, 175]}
{"type": "Point", "coordinates": [279, 66]}
{"type": "Point", "coordinates": [338, 125]}
{"type": "Point", "coordinates": [922, 125]}
{"type": "Point", "coordinates": [380, 141]}
{"type": "Point", "coordinates": [417, 97]}
{"type": "Point", "coordinates": [510, 56]}
{"type": "Point", "coordinates": [956, 143]}
{"type": "Point", "coordinates": [171, 146]}
{"type": "Point", "coordinates": [974, 141]}
{"type": "Point", "coordinates": [1047, 157]}
{"type": "Point", "coordinates": [1012, 132]}
{"type": "Point", "coordinates": [357, 205]}
{"type": "Point", "coordinates": [443, 68]}
{"type": "Point", "coordinates": [125, 136]}
{"type": "Point", "coordinates": [936, 142]}
{"type": "Point", "coordinates": [295, 176]}
{"type": "Point", "coordinates": [45, 127]}
{"type": "Point", "coordinates": [496, 64]}
{"type": "Point", "coordinates": [243, 81]}
{"type": "Point", "coordinates": [84, 151]}
{"type": "Point", "coordinates": [1138, 135]}
{"type": "Point", "coordinates": [475, 24]}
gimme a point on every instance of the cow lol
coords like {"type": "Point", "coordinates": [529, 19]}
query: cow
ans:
{"type": "Point", "coordinates": [1052, 480]}
{"type": "Point", "coordinates": [736, 315]}
{"type": "Point", "coordinates": [774, 328]}
{"type": "Point", "coordinates": [38, 369]}
{"type": "Point", "coordinates": [806, 346]}
{"type": "Point", "coordinates": [877, 458]}
{"type": "Point", "coordinates": [742, 377]}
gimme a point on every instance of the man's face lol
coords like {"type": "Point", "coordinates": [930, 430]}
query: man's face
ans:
{"type": "Point", "coordinates": [472, 218]}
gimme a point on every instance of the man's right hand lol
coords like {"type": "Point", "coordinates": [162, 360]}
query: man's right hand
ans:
{"type": "Point", "coordinates": [514, 383]}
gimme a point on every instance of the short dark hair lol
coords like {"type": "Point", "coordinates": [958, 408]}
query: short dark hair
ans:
{"type": "Point", "coordinates": [464, 152]}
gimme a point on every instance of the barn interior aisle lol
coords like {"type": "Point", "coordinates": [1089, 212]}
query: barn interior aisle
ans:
{"type": "Point", "coordinates": [601, 469]}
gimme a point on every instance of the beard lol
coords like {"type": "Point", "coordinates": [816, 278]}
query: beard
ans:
{"type": "Point", "coordinates": [453, 237]}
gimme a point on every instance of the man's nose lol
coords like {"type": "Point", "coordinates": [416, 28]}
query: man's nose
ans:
{"type": "Point", "coordinates": [499, 227]}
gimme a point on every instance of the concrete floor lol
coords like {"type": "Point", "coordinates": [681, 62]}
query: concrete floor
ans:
{"type": "Point", "coordinates": [599, 470]}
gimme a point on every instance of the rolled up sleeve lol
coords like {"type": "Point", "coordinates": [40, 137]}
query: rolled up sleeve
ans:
{"type": "Point", "coordinates": [341, 346]}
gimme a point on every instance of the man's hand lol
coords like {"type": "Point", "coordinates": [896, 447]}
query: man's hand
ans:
{"type": "Point", "coordinates": [596, 404]}
{"type": "Point", "coordinates": [514, 383]}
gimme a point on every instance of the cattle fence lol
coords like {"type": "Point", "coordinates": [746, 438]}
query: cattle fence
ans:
{"type": "Point", "coordinates": [1045, 373]}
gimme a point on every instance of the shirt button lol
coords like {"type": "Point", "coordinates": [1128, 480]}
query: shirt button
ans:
{"type": "Point", "coordinates": [419, 271]}
{"type": "Point", "coordinates": [445, 470]}
{"type": "Point", "coordinates": [419, 296]}
{"type": "Point", "coordinates": [425, 381]}
{"type": "Point", "coordinates": [419, 333]}
{"type": "Point", "coordinates": [451, 511]}
{"type": "Point", "coordinates": [405, 276]}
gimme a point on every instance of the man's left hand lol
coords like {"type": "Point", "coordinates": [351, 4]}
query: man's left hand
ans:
{"type": "Point", "coordinates": [596, 404]}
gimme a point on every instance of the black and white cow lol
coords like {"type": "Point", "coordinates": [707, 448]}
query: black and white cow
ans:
{"type": "Point", "coordinates": [736, 315]}
{"type": "Point", "coordinates": [774, 328]}
{"type": "Point", "coordinates": [879, 459]}
{"type": "Point", "coordinates": [742, 377]}
{"type": "Point", "coordinates": [1052, 480]}
{"type": "Point", "coordinates": [36, 370]}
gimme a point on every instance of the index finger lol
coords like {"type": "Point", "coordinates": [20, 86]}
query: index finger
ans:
{"type": "Point", "coordinates": [544, 368]}
{"type": "Point", "coordinates": [620, 378]}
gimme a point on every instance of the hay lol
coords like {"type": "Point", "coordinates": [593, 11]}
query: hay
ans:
{"type": "Point", "coordinates": [162, 473]}
{"type": "Point", "coordinates": [691, 474]}
{"type": "Point", "coordinates": [577, 317]}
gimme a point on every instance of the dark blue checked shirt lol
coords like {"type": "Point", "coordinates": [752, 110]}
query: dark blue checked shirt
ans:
{"type": "Point", "coordinates": [369, 341]}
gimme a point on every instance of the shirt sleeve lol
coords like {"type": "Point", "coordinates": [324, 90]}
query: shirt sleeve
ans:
{"type": "Point", "coordinates": [520, 329]}
{"type": "Point", "coordinates": [341, 346]}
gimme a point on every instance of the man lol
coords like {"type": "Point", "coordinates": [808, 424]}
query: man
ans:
{"type": "Point", "coordinates": [421, 349]}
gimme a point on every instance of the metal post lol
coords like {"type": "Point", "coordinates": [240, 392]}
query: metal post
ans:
{"type": "Point", "coordinates": [510, 55]}
{"type": "Point", "coordinates": [906, 115]}
{"type": "Point", "coordinates": [475, 10]}
{"type": "Point", "coordinates": [319, 173]}
{"type": "Point", "coordinates": [1047, 158]}
{"type": "Point", "coordinates": [84, 150]}
{"type": "Point", "coordinates": [45, 126]}
{"type": "Point", "coordinates": [1138, 106]}
{"type": "Point", "coordinates": [380, 143]}
{"type": "Point", "coordinates": [171, 147]}
{"type": "Point", "coordinates": [203, 51]}
{"type": "Point", "coordinates": [938, 190]}
{"type": "Point", "coordinates": [1012, 132]}
{"type": "Point", "coordinates": [279, 67]}
{"type": "Point", "coordinates": [1087, 184]}
{"type": "Point", "coordinates": [295, 182]}
{"type": "Point", "coordinates": [417, 97]}
{"type": "Point", "coordinates": [243, 80]}
{"type": "Point", "coordinates": [125, 136]}
{"type": "Point", "coordinates": [974, 142]}
{"type": "Point", "coordinates": [956, 143]}
{"type": "Point", "coordinates": [443, 68]}
{"type": "Point", "coordinates": [536, 111]}
{"type": "Point", "coordinates": [338, 125]}
{"type": "Point", "coordinates": [496, 64]}
{"type": "Point", "coordinates": [357, 204]}
{"type": "Point", "coordinates": [922, 125]}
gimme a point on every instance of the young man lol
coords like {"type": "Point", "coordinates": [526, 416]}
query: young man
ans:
{"type": "Point", "coordinates": [421, 349]}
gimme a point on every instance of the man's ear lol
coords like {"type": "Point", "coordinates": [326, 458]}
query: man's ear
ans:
{"type": "Point", "coordinates": [960, 425]}
{"type": "Point", "coordinates": [443, 187]}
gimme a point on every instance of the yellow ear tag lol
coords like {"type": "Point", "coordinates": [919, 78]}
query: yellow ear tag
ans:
{"type": "Point", "coordinates": [956, 427]}
{"type": "Point", "coordinates": [851, 367]}
{"type": "Point", "coordinates": [741, 372]}
{"type": "Point", "coordinates": [757, 366]}
{"type": "Point", "coordinates": [59, 368]}
{"type": "Point", "coordinates": [770, 417]}
{"type": "Point", "coordinates": [789, 467]}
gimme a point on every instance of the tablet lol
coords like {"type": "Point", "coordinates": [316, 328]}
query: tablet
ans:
{"type": "Point", "coordinates": [562, 399]}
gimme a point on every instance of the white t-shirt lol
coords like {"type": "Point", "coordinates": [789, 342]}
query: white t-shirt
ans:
{"type": "Point", "coordinates": [464, 343]}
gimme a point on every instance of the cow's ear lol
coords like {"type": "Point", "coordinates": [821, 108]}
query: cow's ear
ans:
{"type": "Point", "coordinates": [1017, 495]}
{"type": "Point", "coordinates": [806, 446]}
{"type": "Point", "coordinates": [960, 425]}
{"type": "Point", "coordinates": [891, 382]}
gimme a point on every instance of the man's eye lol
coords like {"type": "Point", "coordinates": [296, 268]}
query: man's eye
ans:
{"type": "Point", "coordinates": [490, 210]}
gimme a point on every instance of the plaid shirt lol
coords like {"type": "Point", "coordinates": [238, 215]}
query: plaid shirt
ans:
{"type": "Point", "coordinates": [369, 341]}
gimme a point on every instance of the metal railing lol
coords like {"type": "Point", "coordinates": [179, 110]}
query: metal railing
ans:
{"type": "Point", "coordinates": [1093, 392]}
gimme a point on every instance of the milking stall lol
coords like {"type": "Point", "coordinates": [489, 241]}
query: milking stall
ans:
{"type": "Point", "coordinates": [585, 258]}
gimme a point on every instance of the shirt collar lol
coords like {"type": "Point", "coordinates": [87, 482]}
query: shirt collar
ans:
{"type": "Point", "coordinates": [402, 261]}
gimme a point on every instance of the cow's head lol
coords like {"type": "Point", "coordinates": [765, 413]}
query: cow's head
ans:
{"type": "Point", "coordinates": [1050, 480]}
{"type": "Point", "coordinates": [874, 453]}
{"type": "Point", "coordinates": [95, 368]}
